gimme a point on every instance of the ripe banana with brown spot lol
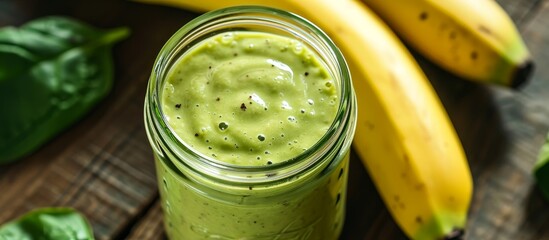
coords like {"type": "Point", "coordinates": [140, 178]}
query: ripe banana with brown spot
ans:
{"type": "Point", "coordinates": [474, 39]}
{"type": "Point", "coordinates": [403, 136]}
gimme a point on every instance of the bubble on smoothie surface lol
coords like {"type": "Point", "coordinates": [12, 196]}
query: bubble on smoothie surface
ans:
{"type": "Point", "coordinates": [223, 126]}
{"type": "Point", "coordinates": [227, 38]}
{"type": "Point", "coordinates": [239, 97]}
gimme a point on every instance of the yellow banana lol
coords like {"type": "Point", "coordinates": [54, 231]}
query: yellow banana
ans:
{"type": "Point", "coordinates": [404, 136]}
{"type": "Point", "coordinates": [474, 39]}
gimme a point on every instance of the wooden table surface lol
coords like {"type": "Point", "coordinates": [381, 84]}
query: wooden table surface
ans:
{"type": "Point", "coordinates": [103, 165]}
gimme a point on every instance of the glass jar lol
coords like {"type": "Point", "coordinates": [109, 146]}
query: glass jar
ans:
{"type": "Point", "coordinates": [301, 198]}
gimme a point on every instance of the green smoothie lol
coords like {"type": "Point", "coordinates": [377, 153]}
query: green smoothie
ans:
{"type": "Point", "coordinates": [250, 99]}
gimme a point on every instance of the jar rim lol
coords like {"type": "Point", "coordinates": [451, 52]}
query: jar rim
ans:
{"type": "Point", "coordinates": [335, 138]}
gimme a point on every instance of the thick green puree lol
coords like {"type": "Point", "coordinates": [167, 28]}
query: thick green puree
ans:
{"type": "Point", "coordinates": [249, 98]}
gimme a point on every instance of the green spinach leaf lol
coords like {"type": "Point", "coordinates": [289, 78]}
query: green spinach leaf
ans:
{"type": "Point", "coordinates": [53, 70]}
{"type": "Point", "coordinates": [48, 224]}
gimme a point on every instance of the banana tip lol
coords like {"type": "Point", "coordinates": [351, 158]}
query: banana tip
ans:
{"type": "Point", "coordinates": [456, 234]}
{"type": "Point", "coordinates": [522, 73]}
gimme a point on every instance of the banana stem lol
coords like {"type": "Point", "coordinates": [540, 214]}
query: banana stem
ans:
{"type": "Point", "coordinates": [522, 73]}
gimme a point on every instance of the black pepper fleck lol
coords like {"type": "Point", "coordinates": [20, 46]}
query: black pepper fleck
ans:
{"type": "Point", "coordinates": [243, 106]}
{"type": "Point", "coordinates": [178, 105]}
{"type": "Point", "coordinates": [196, 134]}
{"type": "Point", "coordinates": [217, 99]}
{"type": "Point", "coordinates": [261, 137]}
{"type": "Point", "coordinates": [306, 73]}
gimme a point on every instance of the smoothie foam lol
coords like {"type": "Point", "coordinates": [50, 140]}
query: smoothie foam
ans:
{"type": "Point", "coordinates": [249, 98]}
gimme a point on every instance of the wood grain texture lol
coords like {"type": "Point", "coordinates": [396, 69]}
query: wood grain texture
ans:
{"type": "Point", "coordinates": [103, 165]}
{"type": "Point", "coordinates": [150, 226]}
